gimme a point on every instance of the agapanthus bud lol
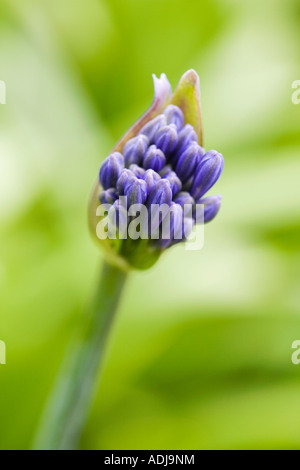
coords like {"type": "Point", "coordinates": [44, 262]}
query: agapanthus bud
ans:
{"type": "Point", "coordinates": [157, 166]}
{"type": "Point", "coordinates": [188, 184]}
{"type": "Point", "coordinates": [187, 226]}
{"type": "Point", "coordinates": [108, 196]}
{"type": "Point", "coordinates": [174, 231]}
{"type": "Point", "coordinates": [174, 115]}
{"type": "Point", "coordinates": [151, 178]}
{"type": "Point", "coordinates": [207, 173]}
{"type": "Point", "coordinates": [186, 201]}
{"type": "Point", "coordinates": [166, 139]}
{"type": "Point", "coordinates": [137, 170]}
{"type": "Point", "coordinates": [134, 150]}
{"type": "Point", "coordinates": [110, 170]}
{"type": "Point", "coordinates": [126, 177]}
{"type": "Point", "coordinates": [154, 159]}
{"type": "Point", "coordinates": [159, 201]}
{"type": "Point", "coordinates": [210, 154]}
{"type": "Point", "coordinates": [174, 181]}
{"type": "Point", "coordinates": [165, 170]}
{"type": "Point", "coordinates": [212, 206]}
{"type": "Point", "coordinates": [118, 217]}
{"type": "Point", "coordinates": [185, 137]}
{"type": "Point", "coordinates": [161, 193]}
{"type": "Point", "coordinates": [152, 127]}
{"type": "Point", "coordinates": [136, 192]}
{"type": "Point", "coordinates": [187, 162]}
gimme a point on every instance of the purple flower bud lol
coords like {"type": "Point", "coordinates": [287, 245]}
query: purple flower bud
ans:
{"type": "Point", "coordinates": [184, 198]}
{"type": "Point", "coordinates": [174, 181]}
{"type": "Point", "coordinates": [176, 220]}
{"type": "Point", "coordinates": [137, 171]}
{"type": "Point", "coordinates": [154, 159]}
{"type": "Point", "coordinates": [165, 170]}
{"type": "Point", "coordinates": [186, 230]}
{"type": "Point", "coordinates": [174, 231]}
{"type": "Point", "coordinates": [161, 173]}
{"type": "Point", "coordinates": [151, 178]}
{"type": "Point", "coordinates": [118, 217]}
{"type": "Point", "coordinates": [185, 137]}
{"type": "Point", "coordinates": [209, 154]}
{"type": "Point", "coordinates": [174, 115]}
{"type": "Point", "coordinates": [166, 139]}
{"type": "Point", "coordinates": [207, 173]}
{"type": "Point", "coordinates": [159, 199]}
{"type": "Point", "coordinates": [126, 177]}
{"type": "Point", "coordinates": [188, 161]}
{"type": "Point", "coordinates": [161, 193]}
{"type": "Point", "coordinates": [212, 206]}
{"type": "Point", "coordinates": [108, 196]}
{"type": "Point", "coordinates": [136, 192]}
{"type": "Point", "coordinates": [110, 170]}
{"type": "Point", "coordinates": [134, 150]}
{"type": "Point", "coordinates": [188, 184]}
{"type": "Point", "coordinates": [186, 201]}
{"type": "Point", "coordinates": [152, 127]}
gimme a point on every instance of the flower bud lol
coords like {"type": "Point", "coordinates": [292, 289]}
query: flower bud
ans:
{"type": "Point", "coordinates": [139, 176]}
{"type": "Point", "coordinates": [154, 159]}
{"type": "Point", "coordinates": [185, 137]}
{"type": "Point", "coordinates": [137, 171]}
{"type": "Point", "coordinates": [188, 184]}
{"type": "Point", "coordinates": [136, 192]}
{"type": "Point", "coordinates": [174, 115]}
{"type": "Point", "coordinates": [165, 170]}
{"type": "Point", "coordinates": [108, 196]}
{"type": "Point", "coordinates": [161, 193]}
{"type": "Point", "coordinates": [174, 231]}
{"type": "Point", "coordinates": [110, 170]}
{"type": "Point", "coordinates": [134, 150]}
{"type": "Point", "coordinates": [117, 217]}
{"type": "Point", "coordinates": [188, 161]}
{"type": "Point", "coordinates": [159, 200]}
{"type": "Point", "coordinates": [207, 173]}
{"type": "Point", "coordinates": [212, 206]}
{"type": "Point", "coordinates": [153, 126]}
{"type": "Point", "coordinates": [174, 181]}
{"type": "Point", "coordinates": [126, 177]}
{"type": "Point", "coordinates": [186, 201]}
{"type": "Point", "coordinates": [151, 178]}
{"type": "Point", "coordinates": [166, 139]}
{"type": "Point", "coordinates": [187, 226]}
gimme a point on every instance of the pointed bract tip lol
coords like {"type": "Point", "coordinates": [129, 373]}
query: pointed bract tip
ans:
{"type": "Point", "coordinates": [192, 77]}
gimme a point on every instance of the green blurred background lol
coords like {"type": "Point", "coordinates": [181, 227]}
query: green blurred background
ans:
{"type": "Point", "coordinates": [200, 355]}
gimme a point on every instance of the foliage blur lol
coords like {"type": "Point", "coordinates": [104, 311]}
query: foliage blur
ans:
{"type": "Point", "coordinates": [200, 355]}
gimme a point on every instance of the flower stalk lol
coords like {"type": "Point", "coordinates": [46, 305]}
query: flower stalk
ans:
{"type": "Point", "coordinates": [69, 405]}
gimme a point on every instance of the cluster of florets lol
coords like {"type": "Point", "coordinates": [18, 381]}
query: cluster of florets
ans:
{"type": "Point", "coordinates": [164, 165]}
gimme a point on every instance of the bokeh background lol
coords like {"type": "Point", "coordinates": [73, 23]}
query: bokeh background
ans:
{"type": "Point", "coordinates": [200, 355]}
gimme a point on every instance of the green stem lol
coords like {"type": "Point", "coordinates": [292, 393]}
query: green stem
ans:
{"type": "Point", "coordinates": [69, 404]}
